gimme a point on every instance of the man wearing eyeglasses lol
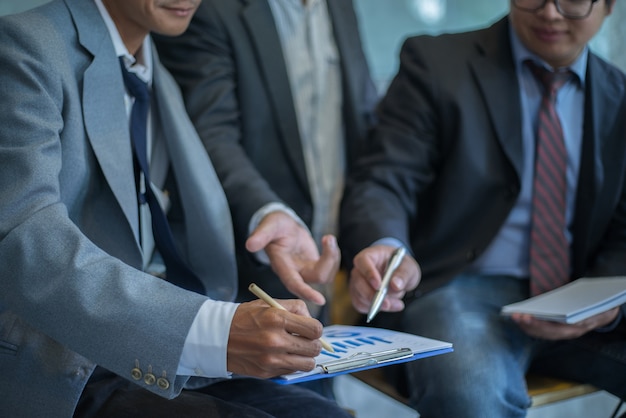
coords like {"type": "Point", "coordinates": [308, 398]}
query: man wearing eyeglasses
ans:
{"type": "Point", "coordinates": [500, 162]}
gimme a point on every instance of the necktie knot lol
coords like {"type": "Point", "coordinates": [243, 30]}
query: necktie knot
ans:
{"type": "Point", "coordinates": [551, 81]}
{"type": "Point", "coordinates": [136, 87]}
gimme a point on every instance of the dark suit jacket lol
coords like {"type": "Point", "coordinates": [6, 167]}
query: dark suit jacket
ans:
{"type": "Point", "coordinates": [231, 69]}
{"type": "Point", "coordinates": [444, 169]}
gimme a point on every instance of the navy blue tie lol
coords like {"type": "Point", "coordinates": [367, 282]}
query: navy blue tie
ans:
{"type": "Point", "coordinates": [176, 270]}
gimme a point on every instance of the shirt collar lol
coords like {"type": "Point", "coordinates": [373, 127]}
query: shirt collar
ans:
{"type": "Point", "coordinates": [141, 64]}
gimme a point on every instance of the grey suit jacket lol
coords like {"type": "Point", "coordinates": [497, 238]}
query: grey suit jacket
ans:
{"type": "Point", "coordinates": [72, 295]}
{"type": "Point", "coordinates": [444, 169]}
{"type": "Point", "coordinates": [233, 76]}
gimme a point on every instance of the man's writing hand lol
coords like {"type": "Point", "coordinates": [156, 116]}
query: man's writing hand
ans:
{"type": "Point", "coordinates": [266, 342]}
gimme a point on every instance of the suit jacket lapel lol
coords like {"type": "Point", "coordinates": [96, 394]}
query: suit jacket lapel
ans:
{"type": "Point", "coordinates": [257, 17]}
{"type": "Point", "coordinates": [103, 94]}
{"type": "Point", "coordinates": [496, 76]}
{"type": "Point", "coordinates": [602, 104]}
{"type": "Point", "coordinates": [209, 245]}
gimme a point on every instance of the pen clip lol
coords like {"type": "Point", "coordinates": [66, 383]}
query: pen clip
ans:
{"type": "Point", "coordinates": [395, 259]}
{"type": "Point", "coordinates": [363, 359]}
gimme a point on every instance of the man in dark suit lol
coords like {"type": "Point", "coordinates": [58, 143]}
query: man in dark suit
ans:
{"type": "Point", "coordinates": [84, 329]}
{"type": "Point", "coordinates": [451, 176]}
{"type": "Point", "coordinates": [281, 95]}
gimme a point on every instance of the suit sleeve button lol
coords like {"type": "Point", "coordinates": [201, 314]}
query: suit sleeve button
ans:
{"type": "Point", "coordinates": [163, 383]}
{"type": "Point", "coordinates": [136, 373]}
{"type": "Point", "coordinates": [149, 379]}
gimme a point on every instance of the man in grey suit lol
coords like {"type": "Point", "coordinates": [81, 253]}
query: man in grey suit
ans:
{"type": "Point", "coordinates": [452, 175]}
{"type": "Point", "coordinates": [84, 329]}
{"type": "Point", "coordinates": [281, 95]}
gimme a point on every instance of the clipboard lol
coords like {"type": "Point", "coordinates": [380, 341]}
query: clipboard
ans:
{"type": "Point", "coordinates": [362, 348]}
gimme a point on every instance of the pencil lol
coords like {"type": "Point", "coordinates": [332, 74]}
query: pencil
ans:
{"type": "Point", "coordinates": [260, 293]}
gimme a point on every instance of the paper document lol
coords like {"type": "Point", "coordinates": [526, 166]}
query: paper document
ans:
{"type": "Point", "coordinates": [362, 348]}
{"type": "Point", "coordinates": [575, 301]}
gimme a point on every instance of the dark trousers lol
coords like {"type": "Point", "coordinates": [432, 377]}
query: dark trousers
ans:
{"type": "Point", "coordinates": [113, 396]}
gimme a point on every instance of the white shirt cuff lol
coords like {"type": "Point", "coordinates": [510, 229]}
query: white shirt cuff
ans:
{"type": "Point", "coordinates": [204, 352]}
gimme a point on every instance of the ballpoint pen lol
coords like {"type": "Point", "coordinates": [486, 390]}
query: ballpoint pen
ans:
{"type": "Point", "coordinates": [394, 263]}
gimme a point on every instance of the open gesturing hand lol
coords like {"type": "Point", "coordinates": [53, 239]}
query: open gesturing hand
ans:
{"type": "Point", "coordinates": [293, 255]}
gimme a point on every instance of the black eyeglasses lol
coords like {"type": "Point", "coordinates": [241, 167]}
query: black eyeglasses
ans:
{"type": "Point", "coordinates": [570, 9]}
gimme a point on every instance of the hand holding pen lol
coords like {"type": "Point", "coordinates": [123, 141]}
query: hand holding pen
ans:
{"type": "Point", "coordinates": [266, 342]}
{"type": "Point", "coordinates": [261, 294]}
{"type": "Point", "coordinates": [365, 278]}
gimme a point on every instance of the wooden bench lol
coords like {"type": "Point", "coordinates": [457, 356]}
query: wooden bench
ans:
{"type": "Point", "coordinates": [546, 390]}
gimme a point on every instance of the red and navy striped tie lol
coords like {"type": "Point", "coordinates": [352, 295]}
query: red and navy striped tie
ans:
{"type": "Point", "coordinates": [549, 249]}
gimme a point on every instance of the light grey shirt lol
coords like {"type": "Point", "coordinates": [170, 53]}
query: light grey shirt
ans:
{"type": "Point", "coordinates": [314, 72]}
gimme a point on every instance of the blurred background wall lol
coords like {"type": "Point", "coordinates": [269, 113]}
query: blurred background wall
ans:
{"type": "Point", "coordinates": [386, 23]}
{"type": "Point", "coordinates": [15, 6]}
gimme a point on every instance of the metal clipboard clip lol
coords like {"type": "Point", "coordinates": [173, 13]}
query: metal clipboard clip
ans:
{"type": "Point", "coordinates": [363, 359]}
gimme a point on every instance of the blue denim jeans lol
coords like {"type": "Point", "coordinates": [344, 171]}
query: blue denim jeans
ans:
{"type": "Point", "coordinates": [484, 376]}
